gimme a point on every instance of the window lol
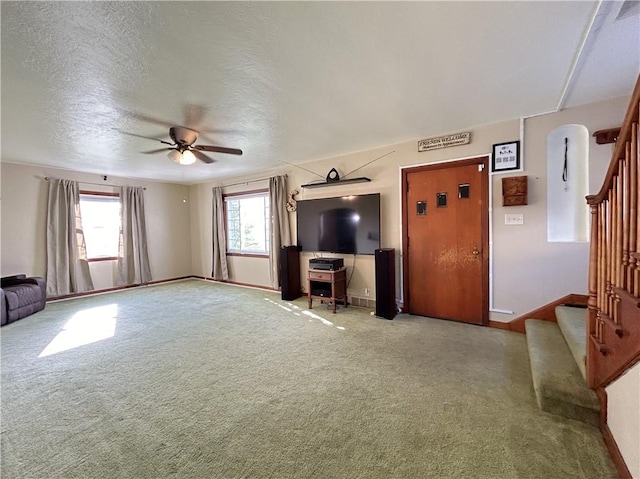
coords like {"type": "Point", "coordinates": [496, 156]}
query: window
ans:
{"type": "Point", "coordinates": [248, 221]}
{"type": "Point", "coordinates": [101, 224]}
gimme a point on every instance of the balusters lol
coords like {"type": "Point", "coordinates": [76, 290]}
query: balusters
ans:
{"type": "Point", "coordinates": [612, 240]}
{"type": "Point", "coordinates": [593, 302]}
{"type": "Point", "coordinates": [616, 241]}
{"type": "Point", "coordinates": [626, 204]}
{"type": "Point", "coordinates": [633, 284]}
{"type": "Point", "coordinates": [614, 263]}
{"type": "Point", "coordinates": [602, 256]}
{"type": "Point", "coordinates": [633, 207]}
{"type": "Point", "coordinates": [609, 248]}
{"type": "Point", "coordinates": [619, 271]}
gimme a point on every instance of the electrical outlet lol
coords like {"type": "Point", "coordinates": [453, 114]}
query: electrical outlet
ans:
{"type": "Point", "coordinates": [511, 219]}
{"type": "Point", "coordinates": [366, 291]}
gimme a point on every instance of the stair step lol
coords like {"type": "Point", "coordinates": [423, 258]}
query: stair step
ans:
{"type": "Point", "coordinates": [559, 386]}
{"type": "Point", "coordinates": [573, 324]}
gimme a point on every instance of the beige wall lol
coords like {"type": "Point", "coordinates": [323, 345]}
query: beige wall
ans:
{"type": "Point", "coordinates": [23, 219]}
{"type": "Point", "coordinates": [623, 417]}
{"type": "Point", "coordinates": [521, 255]}
{"type": "Point", "coordinates": [528, 272]}
{"type": "Point", "coordinates": [385, 175]}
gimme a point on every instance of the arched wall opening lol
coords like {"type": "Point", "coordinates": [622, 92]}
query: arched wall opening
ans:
{"type": "Point", "coordinates": [568, 184]}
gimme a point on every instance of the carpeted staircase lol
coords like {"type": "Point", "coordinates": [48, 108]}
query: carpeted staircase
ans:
{"type": "Point", "coordinates": [557, 355]}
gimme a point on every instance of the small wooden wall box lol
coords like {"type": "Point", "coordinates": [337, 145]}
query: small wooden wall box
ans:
{"type": "Point", "coordinates": [514, 191]}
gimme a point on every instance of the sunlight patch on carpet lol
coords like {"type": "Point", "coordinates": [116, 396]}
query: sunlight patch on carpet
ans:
{"type": "Point", "coordinates": [319, 318]}
{"type": "Point", "coordinates": [85, 327]}
{"type": "Point", "coordinates": [296, 310]}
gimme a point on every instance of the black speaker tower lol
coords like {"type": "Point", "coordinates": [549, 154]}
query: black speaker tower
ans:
{"type": "Point", "coordinates": [386, 283]}
{"type": "Point", "coordinates": [290, 272]}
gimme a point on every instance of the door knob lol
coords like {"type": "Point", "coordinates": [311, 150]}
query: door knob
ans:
{"type": "Point", "coordinates": [475, 251]}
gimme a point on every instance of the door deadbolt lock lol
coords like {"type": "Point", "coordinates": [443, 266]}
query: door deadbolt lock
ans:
{"type": "Point", "coordinates": [475, 251]}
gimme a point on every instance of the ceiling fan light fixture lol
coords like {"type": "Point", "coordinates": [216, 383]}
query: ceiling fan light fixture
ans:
{"type": "Point", "coordinates": [187, 158]}
{"type": "Point", "coordinates": [175, 156]}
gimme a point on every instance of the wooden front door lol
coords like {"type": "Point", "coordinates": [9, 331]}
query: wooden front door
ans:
{"type": "Point", "coordinates": [445, 240]}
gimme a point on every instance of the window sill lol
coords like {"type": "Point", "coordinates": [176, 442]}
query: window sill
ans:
{"type": "Point", "coordinates": [249, 255]}
{"type": "Point", "coordinates": [106, 258]}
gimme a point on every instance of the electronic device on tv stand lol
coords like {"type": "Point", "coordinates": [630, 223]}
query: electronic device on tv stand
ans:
{"type": "Point", "coordinates": [329, 264]}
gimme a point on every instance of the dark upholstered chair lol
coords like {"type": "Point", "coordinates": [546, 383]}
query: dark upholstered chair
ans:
{"type": "Point", "coordinates": [22, 296]}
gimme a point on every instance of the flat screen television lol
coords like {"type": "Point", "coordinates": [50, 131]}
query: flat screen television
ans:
{"type": "Point", "coordinates": [346, 224]}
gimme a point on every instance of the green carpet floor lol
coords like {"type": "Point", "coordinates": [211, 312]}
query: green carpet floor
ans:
{"type": "Point", "coordinates": [202, 380]}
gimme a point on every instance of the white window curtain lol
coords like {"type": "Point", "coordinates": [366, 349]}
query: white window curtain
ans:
{"type": "Point", "coordinates": [67, 265]}
{"type": "Point", "coordinates": [280, 228]}
{"type": "Point", "coordinates": [133, 256]}
{"type": "Point", "coordinates": [219, 238]}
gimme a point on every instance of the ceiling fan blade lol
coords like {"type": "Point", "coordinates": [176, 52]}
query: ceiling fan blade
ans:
{"type": "Point", "coordinates": [210, 135]}
{"type": "Point", "coordinates": [202, 157]}
{"type": "Point", "coordinates": [218, 149]}
{"type": "Point", "coordinates": [194, 115]}
{"type": "Point", "coordinates": [159, 150]}
{"type": "Point", "coordinates": [142, 136]}
{"type": "Point", "coordinates": [149, 119]}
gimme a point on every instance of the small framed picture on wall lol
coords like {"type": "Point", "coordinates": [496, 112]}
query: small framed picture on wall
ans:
{"type": "Point", "coordinates": [506, 157]}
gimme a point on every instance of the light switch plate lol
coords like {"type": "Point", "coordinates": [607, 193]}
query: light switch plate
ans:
{"type": "Point", "coordinates": [514, 219]}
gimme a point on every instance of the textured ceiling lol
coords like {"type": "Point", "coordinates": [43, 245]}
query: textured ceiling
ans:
{"type": "Point", "coordinates": [289, 81]}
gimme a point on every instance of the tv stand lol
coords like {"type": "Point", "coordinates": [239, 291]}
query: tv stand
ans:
{"type": "Point", "coordinates": [327, 286]}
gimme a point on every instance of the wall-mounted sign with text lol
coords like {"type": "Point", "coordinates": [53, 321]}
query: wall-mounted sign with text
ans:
{"type": "Point", "coordinates": [444, 141]}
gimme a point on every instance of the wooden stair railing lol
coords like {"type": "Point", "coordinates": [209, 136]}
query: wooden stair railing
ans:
{"type": "Point", "coordinates": [614, 265]}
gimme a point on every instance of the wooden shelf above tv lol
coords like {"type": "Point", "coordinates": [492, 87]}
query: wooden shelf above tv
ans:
{"type": "Point", "coordinates": [362, 179]}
